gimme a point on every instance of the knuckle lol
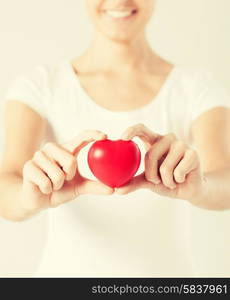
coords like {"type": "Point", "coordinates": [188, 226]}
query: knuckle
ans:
{"type": "Point", "coordinates": [46, 184]}
{"type": "Point", "coordinates": [27, 167]}
{"type": "Point", "coordinates": [156, 155]}
{"type": "Point", "coordinates": [37, 155]}
{"type": "Point", "coordinates": [134, 128]}
{"type": "Point", "coordinates": [164, 170]}
{"type": "Point", "coordinates": [169, 166]}
{"type": "Point", "coordinates": [151, 155]}
{"type": "Point", "coordinates": [48, 146]}
{"type": "Point", "coordinates": [171, 136]}
{"type": "Point", "coordinates": [178, 144]}
{"type": "Point", "coordinates": [148, 154]}
{"type": "Point", "coordinates": [140, 125]}
{"type": "Point", "coordinates": [192, 153]}
{"type": "Point", "coordinates": [71, 163]}
{"type": "Point", "coordinates": [130, 129]}
{"type": "Point", "coordinates": [58, 178]}
{"type": "Point", "coordinates": [101, 134]}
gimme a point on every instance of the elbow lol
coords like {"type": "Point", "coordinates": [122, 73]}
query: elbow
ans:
{"type": "Point", "coordinates": [14, 218]}
{"type": "Point", "coordinates": [217, 206]}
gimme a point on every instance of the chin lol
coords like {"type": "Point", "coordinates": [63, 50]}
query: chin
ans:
{"type": "Point", "coordinates": [119, 37]}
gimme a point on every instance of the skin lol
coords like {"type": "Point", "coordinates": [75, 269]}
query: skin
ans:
{"type": "Point", "coordinates": [38, 177]}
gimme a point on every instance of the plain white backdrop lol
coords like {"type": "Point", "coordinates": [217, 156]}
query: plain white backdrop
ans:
{"type": "Point", "coordinates": [187, 32]}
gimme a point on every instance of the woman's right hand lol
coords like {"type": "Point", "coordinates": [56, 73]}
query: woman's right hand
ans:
{"type": "Point", "coordinates": [52, 178]}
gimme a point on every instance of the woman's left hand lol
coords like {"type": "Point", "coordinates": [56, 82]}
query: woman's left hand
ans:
{"type": "Point", "coordinates": [172, 168]}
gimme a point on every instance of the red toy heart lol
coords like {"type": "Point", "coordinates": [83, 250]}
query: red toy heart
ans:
{"type": "Point", "coordinates": [114, 162]}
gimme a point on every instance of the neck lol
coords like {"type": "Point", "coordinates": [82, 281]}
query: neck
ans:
{"type": "Point", "coordinates": [108, 55]}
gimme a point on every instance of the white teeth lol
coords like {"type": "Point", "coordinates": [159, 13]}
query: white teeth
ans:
{"type": "Point", "coordinates": [118, 14]}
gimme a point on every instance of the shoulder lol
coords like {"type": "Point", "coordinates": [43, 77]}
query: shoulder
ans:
{"type": "Point", "coordinates": [199, 86]}
{"type": "Point", "coordinates": [195, 90]}
{"type": "Point", "coordinates": [203, 86]}
{"type": "Point", "coordinates": [42, 77]}
{"type": "Point", "coordinates": [194, 78]}
{"type": "Point", "coordinates": [34, 87]}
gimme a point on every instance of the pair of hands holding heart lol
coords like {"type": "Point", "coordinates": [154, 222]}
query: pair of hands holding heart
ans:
{"type": "Point", "coordinates": [52, 177]}
{"type": "Point", "coordinates": [172, 168]}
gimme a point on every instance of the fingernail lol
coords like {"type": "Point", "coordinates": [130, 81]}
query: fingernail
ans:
{"type": "Point", "coordinates": [102, 136]}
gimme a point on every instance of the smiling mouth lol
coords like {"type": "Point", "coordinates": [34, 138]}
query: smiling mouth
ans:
{"type": "Point", "coordinates": [120, 14]}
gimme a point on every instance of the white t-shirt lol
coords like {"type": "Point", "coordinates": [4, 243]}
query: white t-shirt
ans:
{"type": "Point", "coordinates": [141, 234]}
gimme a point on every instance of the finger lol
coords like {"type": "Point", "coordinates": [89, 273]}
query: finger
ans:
{"type": "Point", "coordinates": [34, 174]}
{"type": "Point", "coordinates": [156, 154]}
{"type": "Point", "coordinates": [88, 186]}
{"type": "Point", "coordinates": [141, 131]}
{"type": "Point", "coordinates": [134, 184]}
{"type": "Point", "coordinates": [175, 154]}
{"type": "Point", "coordinates": [84, 138]}
{"type": "Point", "coordinates": [63, 158]}
{"type": "Point", "coordinates": [186, 165]}
{"type": "Point", "coordinates": [54, 172]}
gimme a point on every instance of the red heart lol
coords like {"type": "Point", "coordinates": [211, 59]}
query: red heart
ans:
{"type": "Point", "coordinates": [114, 162]}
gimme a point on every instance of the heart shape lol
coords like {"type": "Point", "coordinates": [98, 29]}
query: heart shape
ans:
{"type": "Point", "coordinates": [114, 162]}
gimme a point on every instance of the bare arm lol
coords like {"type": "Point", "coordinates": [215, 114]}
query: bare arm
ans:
{"type": "Point", "coordinates": [173, 169]}
{"type": "Point", "coordinates": [24, 131]}
{"type": "Point", "coordinates": [33, 179]}
{"type": "Point", "coordinates": [211, 133]}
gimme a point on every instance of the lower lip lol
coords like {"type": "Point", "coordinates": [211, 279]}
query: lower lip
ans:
{"type": "Point", "coordinates": [120, 19]}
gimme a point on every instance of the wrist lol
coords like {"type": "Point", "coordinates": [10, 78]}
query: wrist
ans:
{"type": "Point", "coordinates": [199, 198]}
{"type": "Point", "coordinates": [27, 207]}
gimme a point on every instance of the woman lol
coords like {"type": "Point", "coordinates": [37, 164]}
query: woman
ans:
{"type": "Point", "coordinates": [118, 88]}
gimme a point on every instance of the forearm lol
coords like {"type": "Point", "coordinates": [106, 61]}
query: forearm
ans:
{"type": "Point", "coordinates": [215, 194]}
{"type": "Point", "coordinates": [11, 207]}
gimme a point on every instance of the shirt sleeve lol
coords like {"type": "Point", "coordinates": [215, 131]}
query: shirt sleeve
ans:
{"type": "Point", "coordinates": [210, 93]}
{"type": "Point", "coordinates": [29, 89]}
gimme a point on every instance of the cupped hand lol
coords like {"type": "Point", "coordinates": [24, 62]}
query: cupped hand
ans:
{"type": "Point", "coordinates": [172, 168]}
{"type": "Point", "coordinates": [52, 177]}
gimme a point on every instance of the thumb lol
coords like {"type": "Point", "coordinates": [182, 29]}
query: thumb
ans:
{"type": "Point", "coordinates": [134, 184]}
{"type": "Point", "coordinates": [74, 146]}
{"type": "Point", "coordinates": [144, 133]}
{"type": "Point", "coordinates": [88, 186]}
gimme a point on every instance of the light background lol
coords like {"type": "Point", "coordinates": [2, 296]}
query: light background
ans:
{"type": "Point", "coordinates": [187, 32]}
